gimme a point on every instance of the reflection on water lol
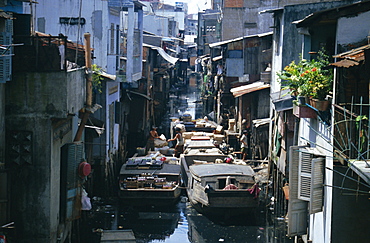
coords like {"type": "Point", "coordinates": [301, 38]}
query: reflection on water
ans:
{"type": "Point", "coordinates": [181, 223]}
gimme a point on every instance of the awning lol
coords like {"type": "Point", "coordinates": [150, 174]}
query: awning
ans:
{"type": "Point", "coordinates": [107, 75]}
{"type": "Point", "coordinates": [351, 58]}
{"type": "Point", "coordinates": [245, 89]}
{"type": "Point", "coordinates": [139, 94]}
{"type": "Point", "coordinates": [239, 39]}
{"type": "Point", "coordinates": [216, 58]}
{"type": "Point", "coordinates": [167, 57]}
{"type": "Point", "coordinates": [164, 54]}
{"type": "Point", "coordinates": [260, 122]}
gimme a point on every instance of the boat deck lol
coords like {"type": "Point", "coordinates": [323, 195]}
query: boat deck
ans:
{"type": "Point", "coordinates": [167, 169]}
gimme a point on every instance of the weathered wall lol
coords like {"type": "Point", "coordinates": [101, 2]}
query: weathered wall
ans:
{"type": "Point", "coordinates": [244, 19]}
{"type": "Point", "coordinates": [355, 205]}
{"type": "Point", "coordinates": [347, 34]}
{"type": "Point", "coordinates": [3, 177]}
{"type": "Point", "coordinates": [40, 103]}
{"type": "Point", "coordinates": [48, 94]}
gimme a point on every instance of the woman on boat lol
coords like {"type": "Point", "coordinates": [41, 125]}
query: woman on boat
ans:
{"type": "Point", "coordinates": [179, 148]}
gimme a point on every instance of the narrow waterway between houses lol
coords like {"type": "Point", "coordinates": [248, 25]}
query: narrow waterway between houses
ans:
{"type": "Point", "coordinates": [181, 223]}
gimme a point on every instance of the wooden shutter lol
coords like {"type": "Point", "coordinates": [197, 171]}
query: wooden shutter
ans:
{"type": "Point", "coordinates": [72, 156]}
{"type": "Point", "coordinates": [317, 181]}
{"type": "Point", "coordinates": [297, 209]}
{"type": "Point", "coordinates": [304, 179]}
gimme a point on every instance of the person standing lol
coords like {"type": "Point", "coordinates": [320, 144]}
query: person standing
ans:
{"type": "Point", "coordinates": [179, 147]}
{"type": "Point", "coordinates": [153, 134]}
{"type": "Point", "coordinates": [244, 144]}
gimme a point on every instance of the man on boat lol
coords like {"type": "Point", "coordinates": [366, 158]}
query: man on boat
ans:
{"type": "Point", "coordinates": [153, 134]}
{"type": "Point", "coordinates": [179, 148]}
{"type": "Point", "coordinates": [244, 144]}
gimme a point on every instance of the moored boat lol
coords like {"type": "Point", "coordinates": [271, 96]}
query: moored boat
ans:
{"type": "Point", "coordinates": [150, 181]}
{"type": "Point", "coordinates": [226, 189]}
{"type": "Point", "coordinates": [214, 184]}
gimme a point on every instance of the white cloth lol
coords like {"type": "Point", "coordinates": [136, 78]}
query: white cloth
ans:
{"type": "Point", "coordinates": [244, 138]}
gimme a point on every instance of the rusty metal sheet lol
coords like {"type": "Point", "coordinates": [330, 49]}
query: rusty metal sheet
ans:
{"type": "Point", "coordinates": [345, 63]}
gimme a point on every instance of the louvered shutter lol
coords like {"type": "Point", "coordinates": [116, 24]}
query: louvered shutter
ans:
{"type": "Point", "coordinates": [304, 179]}
{"type": "Point", "coordinates": [5, 58]}
{"type": "Point", "coordinates": [317, 182]}
{"type": "Point", "coordinates": [72, 155]}
{"type": "Point", "coordinates": [297, 209]}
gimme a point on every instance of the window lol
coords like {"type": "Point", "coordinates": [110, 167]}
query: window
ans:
{"type": "Point", "coordinates": [111, 50]}
{"type": "Point", "coordinates": [306, 177]}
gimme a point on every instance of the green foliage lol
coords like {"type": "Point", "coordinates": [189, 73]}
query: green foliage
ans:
{"type": "Point", "coordinates": [308, 78]}
{"type": "Point", "coordinates": [97, 78]}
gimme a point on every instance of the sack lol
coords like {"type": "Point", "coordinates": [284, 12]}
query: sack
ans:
{"type": "Point", "coordinates": [85, 201]}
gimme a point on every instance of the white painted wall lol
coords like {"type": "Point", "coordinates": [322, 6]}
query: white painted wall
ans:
{"type": "Point", "coordinates": [156, 24]}
{"type": "Point", "coordinates": [178, 16]}
{"type": "Point", "coordinates": [52, 10]}
{"type": "Point", "coordinates": [353, 29]}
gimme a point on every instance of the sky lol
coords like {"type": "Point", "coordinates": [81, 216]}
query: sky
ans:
{"type": "Point", "coordinates": [194, 6]}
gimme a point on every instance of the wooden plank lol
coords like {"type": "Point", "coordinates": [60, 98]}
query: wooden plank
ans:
{"type": "Point", "coordinates": [115, 236]}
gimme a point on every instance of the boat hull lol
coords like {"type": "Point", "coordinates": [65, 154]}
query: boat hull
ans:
{"type": "Point", "coordinates": [143, 196]}
{"type": "Point", "coordinates": [227, 202]}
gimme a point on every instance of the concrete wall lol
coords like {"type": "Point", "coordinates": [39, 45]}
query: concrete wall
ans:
{"type": "Point", "coordinates": [239, 19]}
{"type": "Point", "coordinates": [156, 24]}
{"type": "Point", "coordinates": [3, 176]}
{"type": "Point", "coordinates": [346, 34]}
{"type": "Point", "coordinates": [50, 94]}
{"type": "Point", "coordinates": [39, 103]}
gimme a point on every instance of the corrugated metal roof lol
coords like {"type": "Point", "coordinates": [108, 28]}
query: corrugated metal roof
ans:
{"type": "Point", "coordinates": [351, 58]}
{"type": "Point", "coordinates": [245, 89]}
{"type": "Point", "coordinates": [239, 38]}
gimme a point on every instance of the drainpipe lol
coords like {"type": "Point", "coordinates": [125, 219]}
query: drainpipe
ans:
{"type": "Point", "coordinates": [87, 110]}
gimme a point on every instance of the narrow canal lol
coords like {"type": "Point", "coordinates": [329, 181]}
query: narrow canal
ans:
{"type": "Point", "coordinates": [181, 223]}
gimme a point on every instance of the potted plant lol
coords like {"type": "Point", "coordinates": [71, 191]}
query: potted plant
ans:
{"type": "Point", "coordinates": [309, 79]}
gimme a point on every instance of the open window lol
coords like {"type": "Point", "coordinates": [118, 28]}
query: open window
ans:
{"type": "Point", "coordinates": [306, 177]}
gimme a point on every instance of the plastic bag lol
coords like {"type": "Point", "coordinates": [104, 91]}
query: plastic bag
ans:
{"type": "Point", "coordinates": [85, 201]}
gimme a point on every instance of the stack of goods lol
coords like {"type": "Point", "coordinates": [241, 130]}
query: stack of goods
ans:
{"type": "Point", "coordinates": [218, 138]}
{"type": "Point", "coordinates": [144, 163]}
{"type": "Point", "coordinates": [146, 181]}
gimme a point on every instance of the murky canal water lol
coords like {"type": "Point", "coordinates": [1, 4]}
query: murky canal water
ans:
{"type": "Point", "coordinates": [181, 223]}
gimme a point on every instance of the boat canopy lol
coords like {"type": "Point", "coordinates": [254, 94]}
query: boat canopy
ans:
{"type": "Point", "coordinates": [204, 170]}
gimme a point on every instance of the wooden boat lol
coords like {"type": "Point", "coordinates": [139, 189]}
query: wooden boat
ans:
{"type": "Point", "coordinates": [226, 189]}
{"type": "Point", "coordinates": [215, 187]}
{"type": "Point", "coordinates": [148, 181]}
